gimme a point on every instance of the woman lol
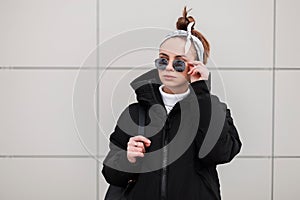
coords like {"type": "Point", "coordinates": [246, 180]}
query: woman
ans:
{"type": "Point", "coordinates": [188, 131]}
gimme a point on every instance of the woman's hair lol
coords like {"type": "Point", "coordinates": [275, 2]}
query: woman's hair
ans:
{"type": "Point", "coordinates": [182, 24]}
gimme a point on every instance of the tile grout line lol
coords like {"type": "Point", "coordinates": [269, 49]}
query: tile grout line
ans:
{"type": "Point", "coordinates": [15, 68]}
{"type": "Point", "coordinates": [97, 99]}
{"type": "Point", "coordinates": [125, 67]}
{"type": "Point", "coordinates": [45, 156]}
{"type": "Point", "coordinates": [102, 156]}
{"type": "Point", "coordinates": [41, 67]}
{"type": "Point", "coordinates": [273, 99]}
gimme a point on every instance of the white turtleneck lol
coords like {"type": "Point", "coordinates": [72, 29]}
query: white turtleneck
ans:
{"type": "Point", "coordinates": [171, 99]}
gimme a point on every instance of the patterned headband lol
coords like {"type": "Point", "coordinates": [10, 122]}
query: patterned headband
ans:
{"type": "Point", "coordinates": [190, 38]}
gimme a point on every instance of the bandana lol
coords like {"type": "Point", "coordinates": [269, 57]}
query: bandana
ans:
{"type": "Point", "coordinates": [189, 40]}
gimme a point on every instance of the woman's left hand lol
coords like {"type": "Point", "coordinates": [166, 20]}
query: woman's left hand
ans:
{"type": "Point", "coordinates": [198, 71]}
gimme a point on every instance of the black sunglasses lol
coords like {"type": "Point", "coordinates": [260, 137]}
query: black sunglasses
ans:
{"type": "Point", "coordinates": [162, 63]}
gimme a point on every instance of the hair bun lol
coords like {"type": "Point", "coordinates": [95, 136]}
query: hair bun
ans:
{"type": "Point", "coordinates": [182, 22]}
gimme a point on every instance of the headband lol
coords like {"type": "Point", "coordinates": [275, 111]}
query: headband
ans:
{"type": "Point", "coordinates": [189, 39]}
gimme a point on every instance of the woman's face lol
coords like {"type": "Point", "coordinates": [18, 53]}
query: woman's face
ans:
{"type": "Point", "coordinates": [173, 49]}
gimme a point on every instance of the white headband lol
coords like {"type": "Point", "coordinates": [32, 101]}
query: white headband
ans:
{"type": "Point", "coordinates": [190, 38]}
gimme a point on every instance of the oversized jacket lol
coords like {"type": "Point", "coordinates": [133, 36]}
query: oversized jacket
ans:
{"type": "Point", "coordinates": [192, 175]}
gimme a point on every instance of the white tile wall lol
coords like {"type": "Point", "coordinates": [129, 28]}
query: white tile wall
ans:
{"type": "Point", "coordinates": [246, 179]}
{"type": "Point", "coordinates": [248, 94]}
{"type": "Point", "coordinates": [137, 14]}
{"type": "Point", "coordinates": [47, 179]}
{"type": "Point", "coordinates": [287, 32]}
{"type": "Point", "coordinates": [36, 118]}
{"type": "Point", "coordinates": [46, 33]}
{"type": "Point", "coordinates": [131, 48]}
{"type": "Point", "coordinates": [287, 111]}
{"type": "Point", "coordinates": [240, 32]}
{"type": "Point", "coordinates": [36, 113]}
{"type": "Point", "coordinates": [286, 179]}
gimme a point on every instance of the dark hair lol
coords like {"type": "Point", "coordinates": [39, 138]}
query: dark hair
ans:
{"type": "Point", "coordinates": [182, 24]}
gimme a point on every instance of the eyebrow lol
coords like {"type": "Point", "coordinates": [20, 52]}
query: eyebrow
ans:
{"type": "Point", "coordinates": [178, 56]}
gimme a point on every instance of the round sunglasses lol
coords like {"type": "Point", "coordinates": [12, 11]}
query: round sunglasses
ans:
{"type": "Point", "coordinates": [162, 63]}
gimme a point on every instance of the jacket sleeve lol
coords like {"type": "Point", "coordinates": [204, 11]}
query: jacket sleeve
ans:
{"type": "Point", "coordinates": [117, 170]}
{"type": "Point", "coordinates": [217, 139]}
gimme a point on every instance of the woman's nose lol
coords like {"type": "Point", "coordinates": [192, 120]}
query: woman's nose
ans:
{"type": "Point", "coordinates": [170, 66]}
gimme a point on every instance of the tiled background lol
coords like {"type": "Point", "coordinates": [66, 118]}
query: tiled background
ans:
{"type": "Point", "coordinates": [48, 129]}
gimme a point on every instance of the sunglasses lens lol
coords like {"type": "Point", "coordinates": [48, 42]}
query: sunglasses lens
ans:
{"type": "Point", "coordinates": [161, 63]}
{"type": "Point", "coordinates": [179, 65]}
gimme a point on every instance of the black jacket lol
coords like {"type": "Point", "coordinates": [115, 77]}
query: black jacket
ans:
{"type": "Point", "coordinates": [192, 175]}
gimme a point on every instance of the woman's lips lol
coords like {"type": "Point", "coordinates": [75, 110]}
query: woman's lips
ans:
{"type": "Point", "coordinates": [169, 77]}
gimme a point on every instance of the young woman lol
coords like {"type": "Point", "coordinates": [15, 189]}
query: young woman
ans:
{"type": "Point", "coordinates": [188, 131]}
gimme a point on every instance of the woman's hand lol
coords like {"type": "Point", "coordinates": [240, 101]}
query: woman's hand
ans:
{"type": "Point", "coordinates": [136, 147]}
{"type": "Point", "coordinates": [198, 71]}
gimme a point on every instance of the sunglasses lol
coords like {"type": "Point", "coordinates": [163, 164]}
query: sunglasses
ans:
{"type": "Point", "coordinates": [162, 63]}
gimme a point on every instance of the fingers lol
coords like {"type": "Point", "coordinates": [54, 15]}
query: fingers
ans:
{"type": "Point", "coordinates": [198, 71]}
{"type": "Point", "coordinates": [142, 139]}
{"type": "Point", "coordinates": [135, 154]}
{"type": "Point", "coordinates": [195, 74]}
{"type": "Point", "coordinates": [193, 71]}
{"type": "Point", "coordinates": [135, 144]}
{"type": "Point", "coordinates": [198, 66]}
{"type": "Point", "coordinates": [136, 147]}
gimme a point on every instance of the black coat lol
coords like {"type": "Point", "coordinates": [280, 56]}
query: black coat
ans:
{"type": "Point", "coordinates": [192, 175]}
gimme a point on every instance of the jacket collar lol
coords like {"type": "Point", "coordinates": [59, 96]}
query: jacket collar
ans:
{"type": "Point", "coordinates": [146, 88]}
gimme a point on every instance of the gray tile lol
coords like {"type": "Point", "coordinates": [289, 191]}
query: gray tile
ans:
{"type": "Point", "coordinates": [246, 179]}
{"type": "Point", "coordinates": [48, 179]}
{"type": "Point", "coordinates": [137, 15]}
{"type": "Point", "coordinates": [43, 112]}
{"type": "Point", "coordinates": [46, 33]}
{"type": "Point", "coordinates": [131, 48]}
{"type": "Point", "coordinates": [240, 32]}
{"type": "Point", "coordinates": [287, 33]}
{"type": "Point", "coordinates": [286, 179]}
{"type": "Point", "coordinates": [129, 37]}
{"type": "Point", "coordinates": [287, 111]}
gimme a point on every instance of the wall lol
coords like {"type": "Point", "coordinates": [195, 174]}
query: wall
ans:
{"type": "Point", "coordinates": [54, 83]}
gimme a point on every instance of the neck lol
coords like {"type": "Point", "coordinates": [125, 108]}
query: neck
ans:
{"type": "Point", "coordinates": [177, 90]}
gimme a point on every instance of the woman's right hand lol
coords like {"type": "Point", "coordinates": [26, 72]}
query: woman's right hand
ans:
{"type": "Point", "coordinates": [136, 147]}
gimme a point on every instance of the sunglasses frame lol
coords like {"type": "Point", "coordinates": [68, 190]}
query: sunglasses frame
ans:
{"type": "Point", "coordinates": [176, 68]}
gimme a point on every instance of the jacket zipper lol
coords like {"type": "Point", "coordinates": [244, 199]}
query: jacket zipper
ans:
{"type": "Point", "coordinates": [165, 153]}
{"type": "Point", "coordinates": [164, 163]}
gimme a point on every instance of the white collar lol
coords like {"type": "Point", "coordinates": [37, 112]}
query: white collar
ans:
{"type": "Point", "coordinates": [172, 99]}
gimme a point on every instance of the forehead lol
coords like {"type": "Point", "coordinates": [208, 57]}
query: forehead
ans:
{"type": "Point", "coordinates": [176, 46]}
